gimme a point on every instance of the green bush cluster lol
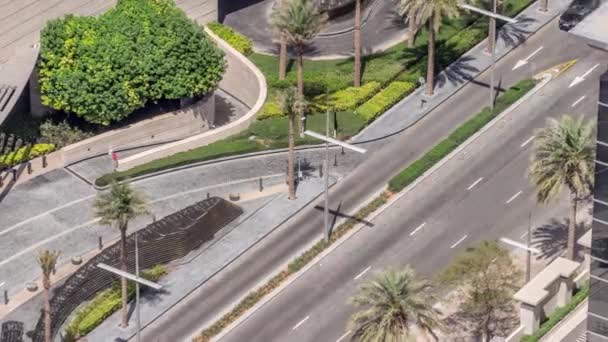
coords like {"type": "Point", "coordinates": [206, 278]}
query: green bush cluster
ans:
{"type": "Point", "coordinates": [26, 153]}
{"type": "Point", "coordinates": [462, 133]}
{"type": "Point", "coordinates": [103, 68]}
{"type": "Point", "coordinates": [296, 265]}
{"type": "Point", "coordinates": [238, 41]}
{"type": "Point", "coordinates": [385, 99]}
{"type": "Point", "coordinates": [106, 302]}
{"type": "Point", "coordinates": [270, 109]}
{"type": "Point", "coordinates": [348, 98]}
{"type": "Point", "coordinates": [61, 134]}
{"type": "Point", "coordinates": [558, 315]}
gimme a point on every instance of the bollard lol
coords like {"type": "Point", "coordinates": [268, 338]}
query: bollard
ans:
{"type": "Point", "coordinates": [208, 195]}
{"type": "Point", "coordinates": [1, 180]}
{"type": "Point", "coordinates": [14, 175]}
{"type": "Point", "coordinates": [342, 152]}
{"type": "Point", "coordinates": [5, 297]}
{"type": "Point", "coordinates": [100, 243]}
{"type": "Point", "coordinates": [44, 161]}
{"type": "Point", "coordinates": [29, 168]}
{"type": "Point", "coordinates": [320, 171]}
{"type": "Point", "coordinates": [335, 160]}
{"type": "Point", "coordinates": [261, 185]}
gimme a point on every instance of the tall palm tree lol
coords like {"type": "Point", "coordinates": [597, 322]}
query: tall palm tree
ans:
{"type": "Point", "coordinates": [116, 208]}
{"type": "Point", "coordinates": [298, 22]}
{"type": "Point", "coordinates": [291, 103]}
{"type": "Point", "coordinates": [47, 261]}
{"type": "Point", "coordinates": [393, 303]}
{"type": "Point", "coordinates": [432, 13]}
{"type": "Point", "coordinates": [283, 46]}
{"type": "Point", "coordinates": [563, 156]}
{"type": "Point", "coordinates": [408, 13]}
{"type": "Point", "coordinates": [544, 5]}
{"type": "Point", "coordinates": [357, 43]}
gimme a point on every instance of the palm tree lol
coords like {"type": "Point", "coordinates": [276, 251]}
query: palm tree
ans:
{"type": "Point", "coordinates": [412, 27]}
{"type": "Point", "coordinates": [544, 5]}
{"type": "Point", "coordinates": [47, 261]}
{"type": "Point", "coordinates": [432, 13]}
{"type": "Point", "coordinates": [563, 156]}
{"type": "Point", "coordinates": [116, 208]}
{"type": "Point", "coordinates": [291, 103]}
{"type": "Point", "coordinates": [393, 303]}
{"type": "Point", "coordinates": [357, 43]}
{"type": "Point", "coordinates": [283, 47]}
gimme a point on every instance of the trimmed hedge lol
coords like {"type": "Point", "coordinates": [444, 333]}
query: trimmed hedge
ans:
{"type": "Point", "coordinates": [238, 41]}
{"type": "Point", "coordinates": [348, 98]}
{"type": "Point", "coordinates": [385, 99]}
{"type": "Point", "coordinates": [295, 266]}
{"type": "Point", "coordinates": [270, 109]}
{"type": "Point", "coordinates": [462, 133]}
{"type": "Point", "coordinates": [106, 303]}
{"type": "Point", "coordinates": [26, 153]}
{"type": "Point", "coordinates": [558, 315]}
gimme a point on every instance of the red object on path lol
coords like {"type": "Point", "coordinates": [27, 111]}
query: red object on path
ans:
{"type": "Point", "coordinates": [114, 156]}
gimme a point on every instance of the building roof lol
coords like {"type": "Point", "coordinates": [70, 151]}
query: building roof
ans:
{"type": "Point", "coordinates": [594, 27]}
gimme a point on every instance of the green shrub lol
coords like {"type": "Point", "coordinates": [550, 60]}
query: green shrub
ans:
{"type": "Point", "coordinates": [458, 136]}
{"type": "Point", "coordinates": [558, 315]}
{"type": "Point", "coordinates": [103, 68]}
{"type": "Point", "coordinates": [61, 134]}
{"type": "Point", "coordinates": [106, 302]}
{"type": "Point", "coordinates": [347, 99]}
{"type": "Point", "coordinates": [384, 100]}
{"type": "Point", "coordinates": [238, 41]}
{"type": "Point", "coordinates": [270, 109]}
{"type": "Point", "coordinates": [26, 153]}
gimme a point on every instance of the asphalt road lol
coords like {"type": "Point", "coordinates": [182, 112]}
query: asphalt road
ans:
{"type": "Point", "coordinates": [482, 193]}
{"type": "Point", "coordinates": [263, 260]}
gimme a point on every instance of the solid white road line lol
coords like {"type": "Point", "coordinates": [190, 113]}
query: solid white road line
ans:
{"type": "Point", "coordinates": [579, 101]}
{"type": "Point", "coordinates": [514, 197]}
{"type": "Point", "coordinates": [300, 323]}
{"type": "Point", "coordinates": [362, 273]}
{"type": "Point", "coordinates": [417, 229]}
{"type": "Point", "coordinates": [527, 142]}
{"type": "Point", "coordinates": [520, 245]}
{"type": "Point", "coordinates": [475, 183]}
{"type": "Point", "coordinates": [343, 336]}
{"type": "Point", "coordinates": [458, 242]}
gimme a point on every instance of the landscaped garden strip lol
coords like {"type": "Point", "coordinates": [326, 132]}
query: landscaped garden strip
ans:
{"type": "Point", "coordinates": [460, 135]}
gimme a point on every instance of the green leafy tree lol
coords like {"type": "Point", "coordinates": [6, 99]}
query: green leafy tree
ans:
{"type": "Point", "coordinates": [486, 277]}
{"type": "Point", "coordinates": [103, 68]}
{"type": "Point", "coordinates": [563, 156]}
{"type": "Point", "coordinates": [298, 22]}
{"type": "Point", "coordinates": [431, 13]}
{"type": "Point", "coordinates": [47, 260]}
{"type": "Point", "coordinates": [116, 208]}
{"type": "Point", "coordinates": [392, 303]}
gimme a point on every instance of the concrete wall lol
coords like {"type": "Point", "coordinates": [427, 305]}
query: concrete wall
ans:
{"type": "Point", "coordinates": [161, 128]}
{"type": "Point", "coordinates": [242, 80]}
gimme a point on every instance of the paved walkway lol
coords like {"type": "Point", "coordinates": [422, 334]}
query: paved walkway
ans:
{"type": "Point", "coordinates": [381, 28]}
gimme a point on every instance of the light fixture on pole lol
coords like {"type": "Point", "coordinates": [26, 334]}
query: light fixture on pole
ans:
{"type": "Point", "coordinates": [328, 141]}
{"type": "Point", "coordinates": [495, 16]}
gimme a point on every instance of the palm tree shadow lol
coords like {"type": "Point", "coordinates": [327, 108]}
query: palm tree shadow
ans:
{"type": "Point", "coordinates": [552, 238]}
{"type": "Point", "coordinates": [514, 35]}
{"type": "Point", "coordinates": [458, 72]}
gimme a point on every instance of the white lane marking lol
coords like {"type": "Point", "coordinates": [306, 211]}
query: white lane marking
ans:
{"type": "Point", "coordinates": [523, 62]}
{"type": "Point", "coordinates": [458, 242]}
{"type": "Point", "coordinates": [514, 197]}
{"type": "Point", "coordinates": [523, 235]}
{"type": "Point", "coordinates": [475, 183]}
{"type": "Point", "coordinates": [1, 284]}
{"type": "Point", "coordinates": [300, 323]}
{"type": "Point", "coordinates": [362, 273]}
{"type": "Point", "coordinates": [579, 79]}
{"type": "Point", "coordinates": [520, 245]}
{"type": "Point", "coordinates": [579, 101]}
{"type": "Point", "coordinates": [527, 142]}
{"type": "Point", "coordinates": [344, 336]}
{"type": "Point", "coordinates": [417, 229]}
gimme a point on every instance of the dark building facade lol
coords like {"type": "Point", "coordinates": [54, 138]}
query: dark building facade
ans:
{"type": "Point", "coordinates": [597, 318]}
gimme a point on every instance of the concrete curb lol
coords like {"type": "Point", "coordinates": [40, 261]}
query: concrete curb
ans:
{"type": "Point", "coordinates": [380, 210]}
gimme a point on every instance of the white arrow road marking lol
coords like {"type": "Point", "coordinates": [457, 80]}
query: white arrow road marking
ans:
{"type": "Point", "coordinates": [417, 229]}
{"type": "Point", "coordinates": [514, 197]}
{"type": "Point", "coordinates": [527, 142]}
{"type": "Point", "coordinates": [475, 183]}
{"type": "Point", "coordinates": [579, 79]}
{"type": "Point", "coordinates": [578, 101]}
{"type": "Point", "coordinates": [300, 323]}
{"type": "Point", "coordinates": [524, 61]}
{"type": "Point", "coordinates": [343, 336]}
{"type": "Point", "coordinates": [458, 242]}
{"type": "Point", "coordinates": [1, 284]}
{"type": "Point", "coordinates": [520, 245]}
{"type": "Point", "coordinates": [362, 273]}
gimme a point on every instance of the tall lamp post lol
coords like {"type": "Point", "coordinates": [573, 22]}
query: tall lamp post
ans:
{"type": "Point", "coordinates": [329, 140]}
{"type": "Point", "coordinates": [494, 16]}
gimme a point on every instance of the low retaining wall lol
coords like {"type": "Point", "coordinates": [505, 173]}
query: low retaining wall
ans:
{"type": "Point", "coordinates": [242, 80]}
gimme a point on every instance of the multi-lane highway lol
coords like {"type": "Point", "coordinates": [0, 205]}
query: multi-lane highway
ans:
{"type": "Point", "coordinates": [446, 200]}
{"type": "Point", "coordinates": [481, 193]}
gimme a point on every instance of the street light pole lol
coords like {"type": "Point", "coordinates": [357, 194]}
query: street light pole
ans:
{"type": "Point", "coordinates": [326, 211]}
{"type": "Point", "coordinates": [137, 308]}
{"type": "Point", "coordinates": [493, 53]}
